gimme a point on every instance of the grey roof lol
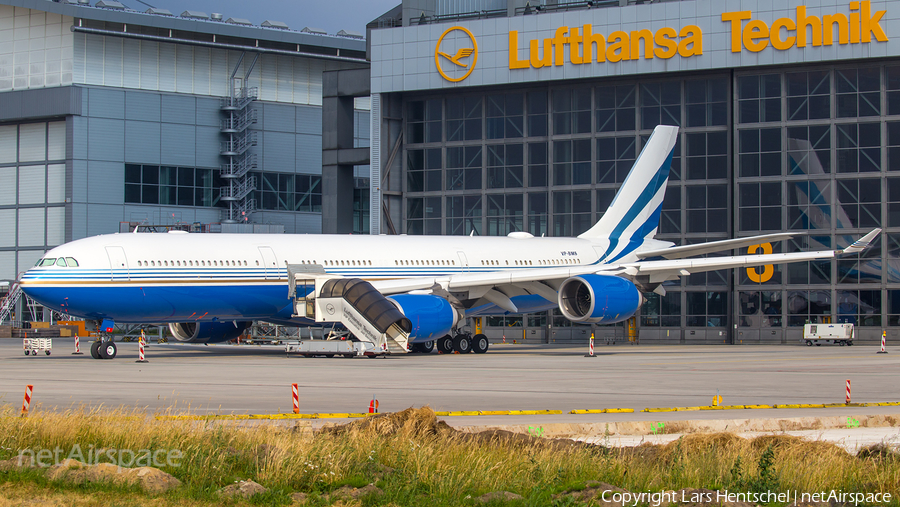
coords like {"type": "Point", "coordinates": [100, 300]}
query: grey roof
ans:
{"type": "Point", "coordinates": [161, 20]}
{"type": "Point", "coordinates": [194, 15]}
{"type": "Point", "coordinates": [317, 31]}
{"type": "Point", "coordinates": [159, 12]}
{"type": "Point", "coordinates": [110, 4]}
{"type": "Point", "coordinates": [275, 24]}
{"type": "Point", "coordinates": [239, 21]}
{"type": "Point", "coordinates": [348, 33]}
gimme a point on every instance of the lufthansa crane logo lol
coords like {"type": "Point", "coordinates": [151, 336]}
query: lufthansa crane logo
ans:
{"type": "Point", "coordinates": [456, 57]}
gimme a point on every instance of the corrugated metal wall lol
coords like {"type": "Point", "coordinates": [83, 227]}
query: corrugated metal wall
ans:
{"type": "Point", "coordinates": [445, 7]}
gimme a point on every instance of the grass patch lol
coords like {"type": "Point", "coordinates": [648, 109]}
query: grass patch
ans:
{"type": "Point", "coordinates": [417, 460]}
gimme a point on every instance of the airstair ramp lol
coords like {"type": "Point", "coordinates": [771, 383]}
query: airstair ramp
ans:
{"type": "Point", "coordinates": [353, 302]}
{"type": "Point", "coordinates": [10, 302]}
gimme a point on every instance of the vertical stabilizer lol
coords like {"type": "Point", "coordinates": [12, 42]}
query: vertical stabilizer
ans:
{"type": "Point", "coordinates": [633, 215]}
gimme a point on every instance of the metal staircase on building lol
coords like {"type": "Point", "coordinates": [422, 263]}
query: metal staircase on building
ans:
{"type": "Point", "coordinates": [240, 139]}
{"type": "Point", "coordinates": [9, 304]}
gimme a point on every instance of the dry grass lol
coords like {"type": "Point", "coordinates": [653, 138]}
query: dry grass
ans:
{"type": "Point", "coordinates": [419, 460]}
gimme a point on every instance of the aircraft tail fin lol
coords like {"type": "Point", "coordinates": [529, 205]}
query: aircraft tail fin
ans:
{"type": "Point", "coordinates": [634, 213]}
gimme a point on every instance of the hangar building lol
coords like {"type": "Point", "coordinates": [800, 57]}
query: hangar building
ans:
{"type": "Point", "coordinates": [515, 115]}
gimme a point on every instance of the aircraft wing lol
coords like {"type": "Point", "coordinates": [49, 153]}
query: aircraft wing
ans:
{"type": "Point", "coordinates": [680, 252]}
{"type": "Point", "coordinates": [536, 280]}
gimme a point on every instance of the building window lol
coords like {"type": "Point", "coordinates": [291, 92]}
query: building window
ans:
{"type": "Point", "coordinates": [423, 215]}
{"type": "Point", "coordinates": [572, 162]}
{"type": "Point", "coordinates": [760, 152]}
{"type": "Point", "coordinates": [504, 214]}
{"type": "Point", "coordinates": [864, 267]}
{"type": "Point", "coordinates": [571, 212]}
{"type": "Point", "coordinates": [615, 157]}
{"type": "Point", "coordinates": [759, 98]}
{"type": "Point", "coordinates": [463, 215]}
{"type": "Point", "coordinates": [760, 206]}
{"type": "Point", "coordinates": [893, 145]}
{"type": "Point", "coordinates": [464, 119]}
{"type": "Point", "coordinates": [504, 116]}
{"type": "Point", "coordinates": [893, 307]}
{"type": "Point", "coordinates": [605, 198]}
{"type": "Point", "coordinates": [859, 148]}
{"type": "Point", "coordinates": [809, 150]}
{"type": "Point", "coordinates": [423, 125]}
{"type": "Point", "coordinates": [537, 165]}
{"type": "Point", "coordinates": [809, 205]}
{"type": "Point", "coordinates": [615, 108]}
{"type": "Point", "coordinates": [537, 213]}
{"type": "Point", "coordinates": [706, 208]}
{"type": "Point", "coordinates": [813, 272]}
{"type": "Point", "coordinates": [809, 95]}
{"type": "Point", "coordinates": [288, 192]}
{"type": "Point", "coordinates": [859, 307]}
{"type": "Point", "coordinates": [860, 202]}
{"type": "Point", "coordinates": [760, 309]}
{"type": "Point", "coordinates": [572, 111]}
{"type": "Point", "coordinates": [893, 202]}
{"type": "Point", "coordinates": [892, 79]}
{"type": "Point", "coordinates": [173, 186]}
{"type": "Point", "coordinates": [660, 104]}
{"type": "Point", "coordinates": [464, 168]}
{"type": "Point", "coordinates": [858, 92]}
{"type": "Point", "coordinates": [706, 102]}
{"type": "Point", "coordinates": [706, 155]}
{"type": "Point", "coordinates": [537, 113]}
{"type": "Point", "coordinates": [423, 170]}
{"type": "Point", "coordinates": [661, 311]}
{"type": "Point", "coordinates": [670, 219]}
{"type": "Point", "coordinates": [504, 166]}
{"type": "Point", "coordinates": [707, 309]}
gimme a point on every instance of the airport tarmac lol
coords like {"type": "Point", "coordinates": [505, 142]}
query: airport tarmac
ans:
{"type": "Point", "coordinates": [257, 380]}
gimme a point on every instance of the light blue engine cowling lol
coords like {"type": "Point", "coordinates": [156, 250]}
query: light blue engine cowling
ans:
{"type": "Point", "coordinates": [598, 298]}
{"type": "Point", "coordinates": [431, 316]}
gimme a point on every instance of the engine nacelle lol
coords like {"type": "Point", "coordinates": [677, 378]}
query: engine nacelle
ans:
{"type": "Point", "coordinates": [431, 316]}
{"type": "Point", "coordinates": [207, 332]}
{"type": "Point", "coordinates": [598, 298]}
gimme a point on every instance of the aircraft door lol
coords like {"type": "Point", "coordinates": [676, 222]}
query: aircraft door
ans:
{"type": "Point", "coordinates": [463, 261]}
{"type": "Point", "coordinates": [118, 263]}
{"type": "Point", "coordinates": [270, 263]}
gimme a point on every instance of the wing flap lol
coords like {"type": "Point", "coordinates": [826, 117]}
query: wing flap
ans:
{"type": "Point", "coordinates": [684, 267]}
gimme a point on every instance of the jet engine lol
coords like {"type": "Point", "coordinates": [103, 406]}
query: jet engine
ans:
{"type": "Point", "coordinates": [432, 317]}
{"type": "Point", "coordinates": [207, 332]}
{"type": "Point", "coordinates": [598, 298]}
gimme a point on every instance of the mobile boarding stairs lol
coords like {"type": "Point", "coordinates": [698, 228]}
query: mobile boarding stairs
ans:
{"type": "Point", "coordinates": [369, 316]}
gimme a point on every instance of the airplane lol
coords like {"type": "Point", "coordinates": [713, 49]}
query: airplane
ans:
{"type": "Point", "coordinates": [394, 291]}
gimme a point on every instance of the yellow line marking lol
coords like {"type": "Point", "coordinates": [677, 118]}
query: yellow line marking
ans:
{"type": "Point", "coordinates": [755, 360]}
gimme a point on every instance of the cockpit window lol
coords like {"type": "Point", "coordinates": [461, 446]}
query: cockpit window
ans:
{"type": "Point", "coordinates": [48, 261]}
{"type": "Point", "coordinates": [61, 262]}
{"type": "Point", "coordinates": [71, 262]}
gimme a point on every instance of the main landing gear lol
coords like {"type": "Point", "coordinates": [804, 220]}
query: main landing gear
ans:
{"type": "Point", "coordinates": [463, 344]}
{"type": "Point", "coordinates": [105, 349]}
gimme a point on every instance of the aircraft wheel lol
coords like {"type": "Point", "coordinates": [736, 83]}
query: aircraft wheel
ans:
{"type": "Point", "coordinates": [108, 350]}
{"type": "Point", "coordinates": [95, 350]}
{"type": "Point", "coordinates": [462, 344]}
{"type": "Point", "coordinates": [445, 345]}
{"type": "Point", "coordinates": [426, 347]}
{"type": "Point", "coordinates": [480, 344]}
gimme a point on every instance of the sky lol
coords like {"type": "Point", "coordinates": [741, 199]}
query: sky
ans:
{"type": "Point", "coordinates": [329, 15]}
